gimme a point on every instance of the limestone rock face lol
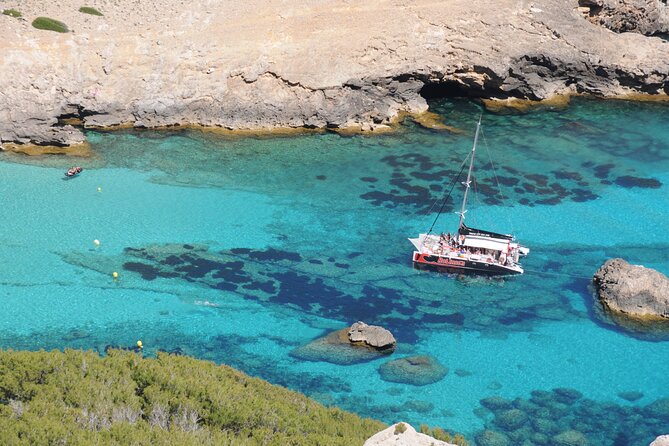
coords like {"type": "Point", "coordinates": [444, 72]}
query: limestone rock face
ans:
{"type": "Point", "coordinates": [641, 16]}
{"type": "Point", "coordinates": [409, 437]}
{"type": "Point", "coordinates": [662, 440]}
{"type": "Point", "coordinates": [261, 64]}
{"type": "Point", "coordinates": [632, 289]}
{"type": "Point", "coordinates": [372, 335]}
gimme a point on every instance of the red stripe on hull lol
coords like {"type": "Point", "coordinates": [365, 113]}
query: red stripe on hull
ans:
{"type": "Point", "coordinates": [461, 265]}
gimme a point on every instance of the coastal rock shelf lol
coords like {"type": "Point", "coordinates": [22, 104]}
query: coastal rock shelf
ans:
{"type": "Point", "coordinates": [263, 65]}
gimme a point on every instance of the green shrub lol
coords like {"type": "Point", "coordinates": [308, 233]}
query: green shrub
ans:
{"type": "Point", "coordinates": [400, 428]}
{"type": "Point", "coordinates": [76, 397]}
{"type": "Point", "coordinates": [12, 12]}
{"type": "Point", "coordinates": [50, 25]}
{"type": "Point", "coordinates": [89, 10]}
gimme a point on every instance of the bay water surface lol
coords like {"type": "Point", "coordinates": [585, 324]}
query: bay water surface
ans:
{"type": "Point", "coordinates": [244, 250]}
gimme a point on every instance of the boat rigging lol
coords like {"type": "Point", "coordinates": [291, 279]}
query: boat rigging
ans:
{"type": "Point", "coordinates": [469, 250]}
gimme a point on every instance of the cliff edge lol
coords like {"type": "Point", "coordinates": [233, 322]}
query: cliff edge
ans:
{"type": "Point", "coordinates": [317, 64]}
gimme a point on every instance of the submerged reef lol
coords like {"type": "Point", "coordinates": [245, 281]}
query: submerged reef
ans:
{"type": "Point", "coordinates": [417, 370]}
{"type": "Point", "coordinates": [562, 417]}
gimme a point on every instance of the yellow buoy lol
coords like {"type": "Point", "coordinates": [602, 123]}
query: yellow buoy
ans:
{"type": "Point", "coordinates": [115, 274]}
{"type": "Point", "coordinates": [139, 344]}
{"type": "Point", "coordinates": [96, 242]}
{"type": "Point", "coordinates": [99, 189]}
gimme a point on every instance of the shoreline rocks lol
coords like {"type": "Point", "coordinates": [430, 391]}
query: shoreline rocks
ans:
{"type": "Point", "coordinates": [633, 290]}
{"type": "Point", "coordinates": [166, 65]}
{"type": "Point", "coordinates": [371, 335]}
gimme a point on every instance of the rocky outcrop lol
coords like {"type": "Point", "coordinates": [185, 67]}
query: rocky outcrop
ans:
{"type": "Point", "coordinates": [372, 335]}
{"type": "Point", "coordinates": [642, 16]}
{"type": "Point", "coordinates": [632, 289]}
{"type": "Point", "coordinates": [335, 347]}
{"type": "Point", "coordinates": [261, 64]}
{"type": "Point", "coordinates": [402, 434]}
{"type": "Point", "coordinates": [662, 440]}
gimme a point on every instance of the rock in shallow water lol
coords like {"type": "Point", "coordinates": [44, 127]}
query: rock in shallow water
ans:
{"type": "Point", "coordinates": [417, 370]}
{"type": "Point", "coordinates": [372, 335]}
{"type": "Point", "coordinates": [570, 438]}
{"type": "Point", "coordinates": [632, 289]}
{"type": "Point", "coordinates": [492, 438]}
{"type": "Point", "coordinates": [336, 348]}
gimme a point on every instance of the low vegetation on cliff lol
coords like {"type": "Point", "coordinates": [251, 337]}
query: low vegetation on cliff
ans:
{"type": "Point", "coordinates": [50, 25]}
{"type": "Point", "coordinates": [89, 10]}
{"type": "Point", "coordinates": [76, 397]}
{"type": "Point", "coordinates": [12, 12]}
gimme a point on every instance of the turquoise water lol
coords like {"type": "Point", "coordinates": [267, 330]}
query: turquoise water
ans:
{"type": "Point", "coordinates": [242, 250]}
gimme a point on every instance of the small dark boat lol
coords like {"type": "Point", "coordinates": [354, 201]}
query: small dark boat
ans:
{"type": "Point", "coordinates": [73, 171]}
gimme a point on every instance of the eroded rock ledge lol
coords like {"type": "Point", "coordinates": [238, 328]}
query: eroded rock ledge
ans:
{"type": "Point", "coordinates": [264, 64]}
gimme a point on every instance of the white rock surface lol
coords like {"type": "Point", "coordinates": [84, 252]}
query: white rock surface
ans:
{"type": "Point", "coordinates": [662, 440]}
{"type": "Point", "coordinates": [409, 437]}
{"type": "Point", "coordinates": [372, 335]}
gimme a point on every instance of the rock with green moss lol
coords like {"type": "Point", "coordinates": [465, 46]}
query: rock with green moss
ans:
{"type": "Point", "coordinates": [49, 24]}
{"type": "Point", "coordinates": [12, 13]}
{"type": "Point", "coordinates": [417, 370]}
{"type": "Point", "coordinates": [89, 10]}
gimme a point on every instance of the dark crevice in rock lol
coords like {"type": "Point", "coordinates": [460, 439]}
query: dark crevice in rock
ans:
{"type": "Point", "coordinates": [446, 89]}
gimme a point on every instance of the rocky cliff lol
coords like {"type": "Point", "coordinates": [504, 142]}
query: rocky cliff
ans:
{"type": "Point", "coordinates": [267, 63]}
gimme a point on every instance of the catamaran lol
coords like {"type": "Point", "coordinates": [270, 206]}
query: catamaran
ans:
{"type": "Point", "coordinates": [469, 250]}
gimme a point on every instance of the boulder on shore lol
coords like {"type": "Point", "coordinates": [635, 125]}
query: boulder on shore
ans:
{"type": "Point", "coordinates": [403, 435]}
{"type": "Point", "coordinates": [632, 289]}
{"type": "Point", "coordinates": [372, 335]}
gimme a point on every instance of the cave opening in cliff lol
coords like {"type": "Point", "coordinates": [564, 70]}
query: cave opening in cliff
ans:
{"type": "Point", "coordinates": [444, 89]}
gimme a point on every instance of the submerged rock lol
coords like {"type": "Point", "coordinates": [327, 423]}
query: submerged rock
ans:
{"type": "Point", "coordinates": [496, 402]}
{"type": "Point", "coordinates": [372, 335]}
{"type": "Point", "coordinates": [632, 289]}
{"type": "Point", "coordinates": [402, 434]}
{"type": "Point", "coordinates": [336, 348]}
{"type": "Point", "coordinates": [570, 438]}
{"type": "Point", "coordinates": [492, 438]}
{"type": "Point", "coordinates": [631, 395]}
{"type": "Point", "coordinates": [418, 370]}
{"type": "Point", "coordinates": [511, 419]}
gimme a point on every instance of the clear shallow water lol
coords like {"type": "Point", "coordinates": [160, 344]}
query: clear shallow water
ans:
{"type": "Point", "coordinates": [244, 249]}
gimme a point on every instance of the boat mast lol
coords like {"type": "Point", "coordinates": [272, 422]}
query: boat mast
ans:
{"type": "Point", "coordinates": [469, 175]}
